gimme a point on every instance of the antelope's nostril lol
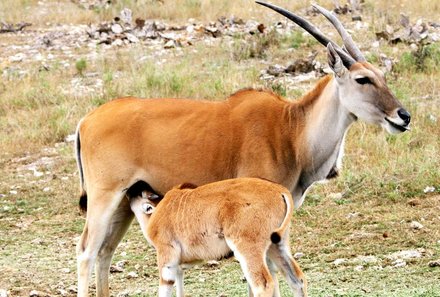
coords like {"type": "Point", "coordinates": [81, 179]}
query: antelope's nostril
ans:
{"type": "Point", "coordinates": [404, 115]}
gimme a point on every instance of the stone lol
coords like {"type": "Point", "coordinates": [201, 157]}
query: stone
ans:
{"type": "Point", "coordinates": [116, 28]}
{"type": "Point", "coordinates": [416, 225]}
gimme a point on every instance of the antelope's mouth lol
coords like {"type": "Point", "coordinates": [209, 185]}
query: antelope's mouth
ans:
{"type": "Point", "coordinates": [400, 127]}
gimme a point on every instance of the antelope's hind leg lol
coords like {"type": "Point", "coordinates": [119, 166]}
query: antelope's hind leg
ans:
{"type": "Point", "coordinates": [101, 224]}
{"type": "Point", "coordinates": [280, 255]}
{"type": "Point", "coordinates": [119, 224]}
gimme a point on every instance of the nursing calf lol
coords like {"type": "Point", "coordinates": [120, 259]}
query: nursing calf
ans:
{"type": "Point", "coordinates": [247, 216]}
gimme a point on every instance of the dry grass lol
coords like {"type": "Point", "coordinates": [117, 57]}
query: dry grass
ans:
{"type": "Point", "coordinates": [381, 185]}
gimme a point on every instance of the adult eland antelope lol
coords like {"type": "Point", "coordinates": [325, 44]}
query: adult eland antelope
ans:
{"type": "Point", "coordinates": [130, 144]}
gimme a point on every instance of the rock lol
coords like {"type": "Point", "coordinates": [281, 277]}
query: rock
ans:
{"type": "Point", "coordinates": [5, 28]}
{"type": "Point", "coordinates": [407, 254]}
{"type": "Point", "coordinates": [132, 38]}
{"type": "Point", "coordinates": [132, 274]}
{"type": "Point", "coordinates": [37, 241]}
{"type": "Point", "coordinates": [398, 263]}
{"type": "Point", "coordinates": [169, 44]}
{"type": "Point", "coordinates": [117, 29]}
{"type": "Point", "coordinates": [276, 70]}
{"type": "Point", "coordinates": [215, 32]}
{"type": "Point", "coordinates": [338, 262]}
{"type": "Point", "coordinates": [118, 42]}
{"type": "Point", "coordinates": [414, 202]}
{"type": "Point", "coordinates": [3, 293]}
{"type": "Point", "coordinates": [429, 189]}
{"type": "Point", "coordinates": [352, 215]}
{"type": "Point", "coordinates": [17, 58]}
{"type": "Point", "coordinates": [123, 294]}
{"type": "Point", "coordinates": [126, 15]}
{"type": "Point", "coordinates": [35, 293]}
{"type": "Point", "coordinates": [335, 196]}
{"type": "Point", "coordinates": [366, 259]}
{"type": "Point", "coordinates": [434, 263]}
{"type": "Point", "coordinates": [119, 267]}
{"type": "Point", "coordinates": [416, 225]}
{"type": "Point", "coordinates": [298, 255]}
{"type": "Point", "coordinates": [62, 292]}
{"type": "Point", "coordinates": [70, 138]}
{"type": "Point", "coordinates": [213, 263]}
{"type": "Point", "coordinates": [72, 289]}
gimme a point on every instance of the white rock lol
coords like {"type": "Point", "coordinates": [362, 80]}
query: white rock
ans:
{"type": "Point", "coordinates": [359, 268]}
{"type": "Point", "coordinates": [353, 215]}
{"type": "Point", "coordinates": [132, 274]}
{"type": "Point", "coordinates": [3, 293]}
{"type": "Point", "coordinates": [17, 58]}
{"type": "Point", "coordinates": [132, 38]}
{"type": "Point", "coordinates": [62, 292]}
{"type": "Point", "coordinates": [399, 263]}
{"type": "Point", "coordinates": [335, 196]}
{"type": "Point", "coordinates": [118, 42]}
{"type": "Point", "coordinates": [123, 294]}
{"type": "Point", "coordinates": [65, 270]}
{"type": "Point", "coordinates": [169, 44]}
{"type": "Point", "coordinates": [407, 254]}
{"type": "Point", "coordinates": [366, 259]}
{"type": "Point", "coordinates": [213, 263]}
{"type": "Point", "coordinates": [72, 289]}
{"type": "Point", "coordinates": [34, 293]}
{"type": "Point", "coordinates": [432, 118]}
{"type": "Point", "coordinates": [13, 192]}
{"type": "Point", "coordinates": [70, 138]}
{"type": "Point", "coordinates": [429, 189]}
{"type": "Point", "coordinates": [116, 28]}
{"type": "Point", "coordinates": [126, 15]}
{"type": "Point", "coordinates": [298, 255]}
{"type": "Point", "coordinates": [416, 225]}
{"type": "Point", "coordinates": [338, 262]}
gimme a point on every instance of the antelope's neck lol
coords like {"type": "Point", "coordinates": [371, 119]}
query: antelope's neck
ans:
{"type": "Point", "coordinates": [327, 123]}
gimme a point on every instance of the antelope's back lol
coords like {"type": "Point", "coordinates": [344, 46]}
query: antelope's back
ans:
{"type": "Point", "coordinates": [169, 141]}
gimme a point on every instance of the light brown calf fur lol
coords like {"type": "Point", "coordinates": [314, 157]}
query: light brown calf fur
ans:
{"type": "Point", "coordinates": [248, 216]}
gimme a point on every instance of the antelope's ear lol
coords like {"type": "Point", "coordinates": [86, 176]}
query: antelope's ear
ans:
{"type": "Point", "coordinates": [334, 61]}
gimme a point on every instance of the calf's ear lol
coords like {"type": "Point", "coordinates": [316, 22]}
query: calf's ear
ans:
{"type": "Point", "coordinates": [148, 208]}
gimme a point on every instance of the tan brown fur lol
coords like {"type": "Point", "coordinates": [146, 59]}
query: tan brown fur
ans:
{"type": "Point", "coordinates": [209, 221]}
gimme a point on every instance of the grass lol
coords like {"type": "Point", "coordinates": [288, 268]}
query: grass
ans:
{"type": "Point", "coordinates": [382, 182]}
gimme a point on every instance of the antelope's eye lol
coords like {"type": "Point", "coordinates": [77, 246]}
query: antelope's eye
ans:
{"type": "Point", "coordinates": [363, 80]}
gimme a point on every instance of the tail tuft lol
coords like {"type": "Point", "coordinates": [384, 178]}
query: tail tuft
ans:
{"type": "Point", "coordinates": [83, 202]}
{"type": "Point", "coordinates": [275, 237]}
